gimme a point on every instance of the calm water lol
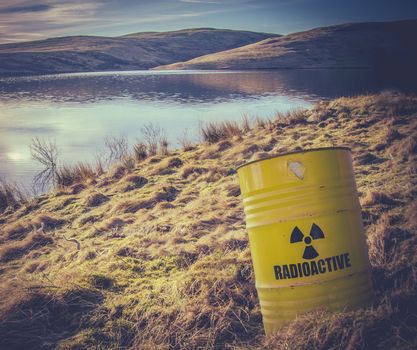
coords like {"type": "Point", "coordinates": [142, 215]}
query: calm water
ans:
{"type": "Point", "coordinates": [78, 111]}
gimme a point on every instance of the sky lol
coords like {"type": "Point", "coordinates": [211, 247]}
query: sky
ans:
{"type": "Point", "coordinates": [23, 20]}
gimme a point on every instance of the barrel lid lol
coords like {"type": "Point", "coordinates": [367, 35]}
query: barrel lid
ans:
{"type": "Point", "coordinates": [295, 152]}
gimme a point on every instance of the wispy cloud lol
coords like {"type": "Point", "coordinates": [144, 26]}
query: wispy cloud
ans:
{"type": "Point", "coordinates": [37, 19]}
{"type": "Point", "coordinates": [220, 2]}
{"type": "Point", "coordinates": [22, 20]}
{"type": "Point", "coordinates": [27, 20]}
{"type": "Point", "coordinates": [25, 8]}
{"type": "Point", "coordinates": [201, 1]}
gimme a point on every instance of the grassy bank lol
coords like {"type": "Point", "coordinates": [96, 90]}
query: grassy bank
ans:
{"type": "Point", "coordinates": [154, 255]}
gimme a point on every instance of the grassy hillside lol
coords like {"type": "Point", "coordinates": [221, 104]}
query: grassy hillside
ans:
{"type": "Point", "coordinates": [129, 52]}
{"type": "Point", "coordinates": [154, 255]}
{"type": "Point", "coordinates": [356, 45]}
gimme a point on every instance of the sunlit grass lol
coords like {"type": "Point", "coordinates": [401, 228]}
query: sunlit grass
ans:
{"type": "Point", "coordinates": [163, 259]}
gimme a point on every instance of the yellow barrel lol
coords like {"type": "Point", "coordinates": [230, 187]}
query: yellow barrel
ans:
{"type": "Point", "coordinates": [305, 232]}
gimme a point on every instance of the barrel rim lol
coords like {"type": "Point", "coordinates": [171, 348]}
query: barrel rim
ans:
{"type": "Point", "coordinates": [295, 152]}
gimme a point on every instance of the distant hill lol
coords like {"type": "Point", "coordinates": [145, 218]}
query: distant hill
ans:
{"type": "Point", "coordinates": [354, 45]}
{"type": "Point", "coordinates": [128, 52]}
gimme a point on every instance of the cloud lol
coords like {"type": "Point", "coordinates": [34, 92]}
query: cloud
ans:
{"type": "Point", "coordinates": [28, 8]}
{"type": "Point", "coordinates": [222, 2]}
{"type": "Point", "coordinates": [107, 23]}
{"type": "Point", "coordinates": [22, 20]}
{"type": "Point", "coordinates": [25, 20]}
{"type": "Point", "coordinates": [201, 1]}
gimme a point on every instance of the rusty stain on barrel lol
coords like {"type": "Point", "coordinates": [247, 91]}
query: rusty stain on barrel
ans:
{"type": "Point", "coordinates": [306, 234]}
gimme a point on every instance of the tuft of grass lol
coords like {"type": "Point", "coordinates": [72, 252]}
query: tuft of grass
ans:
{"type": "Point", "coordinates": [77, 188]}
{"type": "Point", "coordinates": [185, 142]}
{"type": "Point", "coordinates": [134, 182]}
{"type": "Point", "coordinates": [295, 117]}
{"type": "Point", "coordinates": [233, 190]}
{"type": "Point", "coordinates": [410, 216]}
{"type": "Point", "coordinates": [96, 199]}
{"type": "Point", "coordinates": [69, 175]}
{"type": "Point", "coordinates": [49, 222]}
{"type": "Point", "coordinates": [11, 196]}
{"type": "Point", "coordinates": [128, 163]}
{"type": "Point", "coordinates": [189, 170]}
{"type": "Point", "coordinates": [378, 238]}
{"type": "Point", "coordinates": [101, 282]}
{"type": "Point", "coordinates": [168, 166]}
{"type": "Point", "coordinates": [132, 206]}
{"type": "Point", "coordinates": [117, 171]}
{"type": "Point", "coordinates": [367, 158]}
{"type": "Point", "coordinates": [214, 132]}
{"type": "Point", "coordinates": [15, 249]}
{"type": "Point", "coordinates": [42, 222]}
{"type": "Point", "coordinates": [392, 135]}
{"type": "Point", "coordinates": [175, 162]}
{"type": "Point", "coordinates": [16, 231]}
{"type": "Point", "coordinates": [223, 145]}
{"type": "Point", "coordinates": [374, 197]}
{"type": "Point", "coordinates": [245, 123]}
{"type": "Point", "coordinates": [409, 147]}
{"type": "Point", "coordinates": [154, 136]}
{"type": "Point", "coordinates": [167, 194]}
{"type": "Point", "coordinates": [140, 151]}
{"type": "Point", "coordinates": [163, 146]}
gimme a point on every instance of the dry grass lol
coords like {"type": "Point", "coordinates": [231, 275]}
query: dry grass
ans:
{"type": "Point", "coordinates": [37, 317]}
{"type": "Point", "coordinates": [165, 262]}
{"type": "Point", "coordinates": [140, 151]}
{"type": "Point", "coordinates": [134, 182]}
{"type": "Point", "coordinates": [189, 170]}
{"type": "Point", "coordinates": [42, 222]}
{"type": "Point", "coordinates": [16, 249]}
{"type": "Point", "coordinates": [166, 194]}
{"type": "Point", "coordinates": [16, 231]}
{"type": "Point", "coordinates": [214, 132]}
{"type": "Point", "coordinates": [374, 198]}
{"type": "Point", "coordinates": [79, 173]}
{"type": "Point", "coordinates": [185, 142]}
{"type": "Point", "coordinates": [155, 139]}
{"type": "Point", "coordinates": [47, 222]}
{"type": "Point", "coordinates": [11, 196]}
{"type": "Point", "coordinates": [96, 199]}
{"type": "Point", "coordinates": [168, 166]}
{"type": "Point", "coordinates": [292, 118]}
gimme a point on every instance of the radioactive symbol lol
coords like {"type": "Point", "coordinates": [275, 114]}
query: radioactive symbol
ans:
{"type": "Point", "coordinates": [315, 233]}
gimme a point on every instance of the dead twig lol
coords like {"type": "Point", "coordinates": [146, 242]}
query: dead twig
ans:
{"type": "Point", "coordinates": [74, 241]}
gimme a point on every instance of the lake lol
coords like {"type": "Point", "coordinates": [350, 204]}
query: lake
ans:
{"type": "Point", "coordinates": [78, 111]}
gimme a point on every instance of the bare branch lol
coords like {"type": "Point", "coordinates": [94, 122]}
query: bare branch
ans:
{"type": "Point", "coordinates": [117, 147]}
{"type": "Point", "coordinates": [153, 135]}
{"type": "Point", "coordinates": [45, 153]}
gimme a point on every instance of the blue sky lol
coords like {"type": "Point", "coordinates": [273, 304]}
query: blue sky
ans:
{"type": "Point", "coordinates": [22, 20]}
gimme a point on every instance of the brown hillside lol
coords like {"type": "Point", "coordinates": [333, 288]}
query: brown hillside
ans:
{"type": "Point", "coordinates": [155, 255]}
{"type": "Point", "coordinates": [129, 52]}
{"type": "Point", "coordinates": [384, 45]}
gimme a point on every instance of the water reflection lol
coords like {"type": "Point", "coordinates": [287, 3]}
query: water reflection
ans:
{"type": "Point", "coordinates": [79, 110]}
